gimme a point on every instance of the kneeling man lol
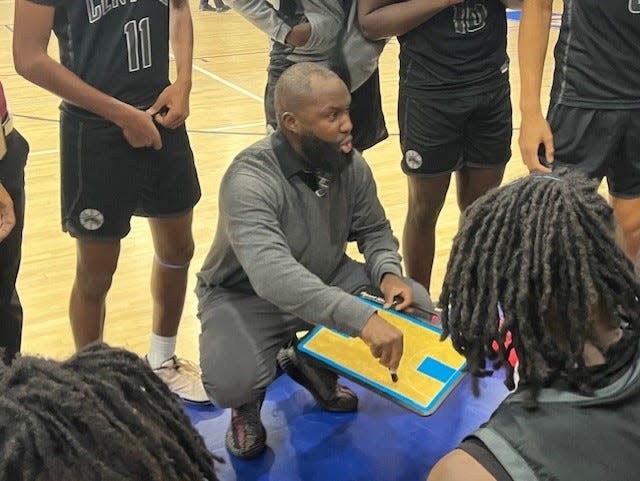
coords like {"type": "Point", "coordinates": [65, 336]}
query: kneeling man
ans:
{"type": "Point", "coordinates": [288, 206]}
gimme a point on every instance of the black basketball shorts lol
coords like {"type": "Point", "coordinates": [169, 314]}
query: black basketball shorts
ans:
{"type": "Point", "coordinates": [105, 180]}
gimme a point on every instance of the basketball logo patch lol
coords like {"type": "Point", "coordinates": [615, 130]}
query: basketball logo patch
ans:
{"type": "Point", "coordinates": [413, 159]}
{"type": "Point", "coordinates": [91, 219]}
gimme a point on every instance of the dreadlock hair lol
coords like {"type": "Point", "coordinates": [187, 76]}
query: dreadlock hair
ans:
{"type": "Point", "coordinates": [101, 415]}
{"type": "Point", "coordinates": [541, 249]}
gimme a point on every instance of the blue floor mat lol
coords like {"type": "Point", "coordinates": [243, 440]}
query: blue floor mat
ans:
{"type": "Point", "coordinates": [380, 442]}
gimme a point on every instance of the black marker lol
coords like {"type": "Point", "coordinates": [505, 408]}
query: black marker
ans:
{"type": "Point", "coordinates": [394, 375]}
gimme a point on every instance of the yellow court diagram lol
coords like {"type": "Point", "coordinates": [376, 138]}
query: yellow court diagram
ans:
{"type": "Point", "coordinates": [429, 370]}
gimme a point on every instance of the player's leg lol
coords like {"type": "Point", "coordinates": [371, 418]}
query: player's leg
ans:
{"type": "Point", "coordinates": [12, 175]}
{"type": "Point", "coordinates": [430, 137]}
{"type": "Point", "coordinates": [426, 199]}
{"type": "Point", "coordinates": [473, 183]}
{"type": "Point", "coordinates": [96, 263]}
{"type": "Point", "coordinates": [604, 143]}
{"type": "Point", "coordinates": [173, 247]}
{"type": "Point", "coordinates": [623, 176]}
{"type": "Point", "coordinates": [169, 191]}
{"type": "Point", "coordinates": [627, 213]}
{"type": "Point", "coordinates": [487, 145]}
{"type": "Point", "coordinates": [99, 175]}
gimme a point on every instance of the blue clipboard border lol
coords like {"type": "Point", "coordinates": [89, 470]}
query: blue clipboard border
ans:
{"type": "Point", "coordinates": [420, 409]}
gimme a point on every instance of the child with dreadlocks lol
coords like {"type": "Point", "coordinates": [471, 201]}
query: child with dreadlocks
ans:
{"type": "Point", "coordinates": [101, 415]}
{"type": "Point", "coordinates": [543, 251]}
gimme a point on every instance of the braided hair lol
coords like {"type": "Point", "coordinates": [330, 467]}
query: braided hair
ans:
{"type": "Point", "coordinates": [101, 415]}
{"type": "Point", "coordinates": [541, 250]}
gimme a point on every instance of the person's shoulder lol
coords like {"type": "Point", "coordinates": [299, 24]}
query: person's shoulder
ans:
{"type": "Point", "coordinates": [258, 158]}
{"type": "Point", "coordinates": [254, 167]}
{"type": "Point", "coordinates": [458, 465]}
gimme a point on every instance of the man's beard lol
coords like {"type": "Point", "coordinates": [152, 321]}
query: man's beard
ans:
{"type": "Point", "coordinates": [323, 156]}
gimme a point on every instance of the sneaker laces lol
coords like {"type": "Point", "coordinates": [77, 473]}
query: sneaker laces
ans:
{"type": "Point", "coordinates": [187, 366]}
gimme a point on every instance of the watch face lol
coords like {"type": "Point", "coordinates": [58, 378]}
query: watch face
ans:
{"type": "Point", "coordinates": [91, 219]}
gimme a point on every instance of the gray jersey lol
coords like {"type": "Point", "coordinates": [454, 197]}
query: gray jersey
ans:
{"type": "Point", "coordinates": [598, 55]}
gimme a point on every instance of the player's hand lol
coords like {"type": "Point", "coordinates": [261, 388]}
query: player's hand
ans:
{"type": "Point", "coordinates": [139, 130]}
{"type": "Point", "coordinates": [396, 292]}
{"type": "Point", "coordinates": [535, 130]}
{"type": "Point", "coordinates": [384, 340]}
{"type": "Point", "coordinates": [7, 215]}
{"type": "Point", "coordinates": [299, 35]}
{"type": "Point", "coordinates": [171, 108]}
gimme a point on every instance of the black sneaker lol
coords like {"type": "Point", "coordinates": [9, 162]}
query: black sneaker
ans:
{"type": "Point", "coordinates": [319, 381]}
{"type": "Point", "coordinates": [246, 437]}
{"type": "Point", "coordinates": [224, 8]}
{"type": "Point", "coordinates": [205, 7]}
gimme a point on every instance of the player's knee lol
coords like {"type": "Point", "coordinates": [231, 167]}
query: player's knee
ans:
{"type": "Point", "coordinates": [176, 256]}
{"type": "Point", "coordinates": [93, 284]}
{"type": "Point", "coordinates": [630, 228]}
{"type": "Point", "coordinates": [423, 213]}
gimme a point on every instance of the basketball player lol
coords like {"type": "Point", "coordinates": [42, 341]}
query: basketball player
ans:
{"type": "Point", "coordinates": [124, 151]}
{"type": "Point", "coordinates": [593, 123]}
{"type": "Point", "coordinates": [454, 106]}
{"type": "Point", "coordinates": [13, 157]}
{"type": "Point", "coordinates": [325, 33]}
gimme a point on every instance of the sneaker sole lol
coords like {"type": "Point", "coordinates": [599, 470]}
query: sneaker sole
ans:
{"type": "Point", "coordinates": [252, 453]}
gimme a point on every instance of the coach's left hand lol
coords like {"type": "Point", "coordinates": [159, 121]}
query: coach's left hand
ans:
{"type": "Point", "coordinates": [171, 108]}
{"type": "Point", "coordinates": [394, 287]}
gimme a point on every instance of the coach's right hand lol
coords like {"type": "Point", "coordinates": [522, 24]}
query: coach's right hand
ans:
{"type": "Point", "coordinates": [139, 129]}
{"type": "Point", "coordinates": [384, 340]}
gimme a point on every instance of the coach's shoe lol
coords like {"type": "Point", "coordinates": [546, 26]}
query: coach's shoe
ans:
{"type": "Point", "coordinates": [184, 379]}
{"type": "Point", "coordinates": [246, 437]}
{"type": "Point", "coordinates": [319, 381]}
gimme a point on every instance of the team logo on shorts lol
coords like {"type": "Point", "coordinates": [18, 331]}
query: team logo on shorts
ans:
{"type": "Point", "coordinates": [91, 219]}
{"type": "Point", "coordinates": [413, 159]}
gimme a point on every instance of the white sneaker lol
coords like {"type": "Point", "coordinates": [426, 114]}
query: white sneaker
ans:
{"type": "Point", "coordinates": [183, 379]}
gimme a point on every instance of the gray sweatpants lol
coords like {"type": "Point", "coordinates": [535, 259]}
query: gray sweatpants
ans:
{"type": "Point", "coordinates": [242, 334]}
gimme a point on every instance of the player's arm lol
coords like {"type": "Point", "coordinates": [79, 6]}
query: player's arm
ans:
{"type": "Point", "coordinates": [387, 18]}
{"type": "Point", "coordinates": [33, 24]}
{"type": "Point", "coordinates": [7, 214]}
{"type": "Point", "coordinates": [262, 15]}
{"type": "Point", "coordinates": [458, 465]}
{"type": "Point", "coordinates": [171, 108]}
{"type": "Point", "coordinates": [532, 48]}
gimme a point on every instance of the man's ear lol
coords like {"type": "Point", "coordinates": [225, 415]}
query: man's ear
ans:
{"type": "Point", "coordinates": [290, 122]}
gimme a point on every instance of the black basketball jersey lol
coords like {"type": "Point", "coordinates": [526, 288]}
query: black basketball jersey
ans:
{"type": "Point", "coordinates": [120, 47]}
{"type": "Point", "coordinates": [463, 46]}
{"type": "Point", "coordinates": [598, 55]}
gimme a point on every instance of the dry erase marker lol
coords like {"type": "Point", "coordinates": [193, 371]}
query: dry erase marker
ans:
{"type": "Point", "coordinates": [394, 375]}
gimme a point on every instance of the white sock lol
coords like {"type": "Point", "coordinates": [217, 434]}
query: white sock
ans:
{"type": "Point", "coordinates": [160, 349]}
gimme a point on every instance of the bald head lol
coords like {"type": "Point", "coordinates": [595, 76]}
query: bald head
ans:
{"type": "Point", "coordinates": [294, 89]}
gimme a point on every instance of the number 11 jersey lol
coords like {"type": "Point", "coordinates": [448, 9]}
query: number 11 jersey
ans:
{"type": "Point", "coordinates": [120, 47]}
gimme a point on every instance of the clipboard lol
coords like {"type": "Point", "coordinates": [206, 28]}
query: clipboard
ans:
{"type": "Point", "coordinates": [428, 372]}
